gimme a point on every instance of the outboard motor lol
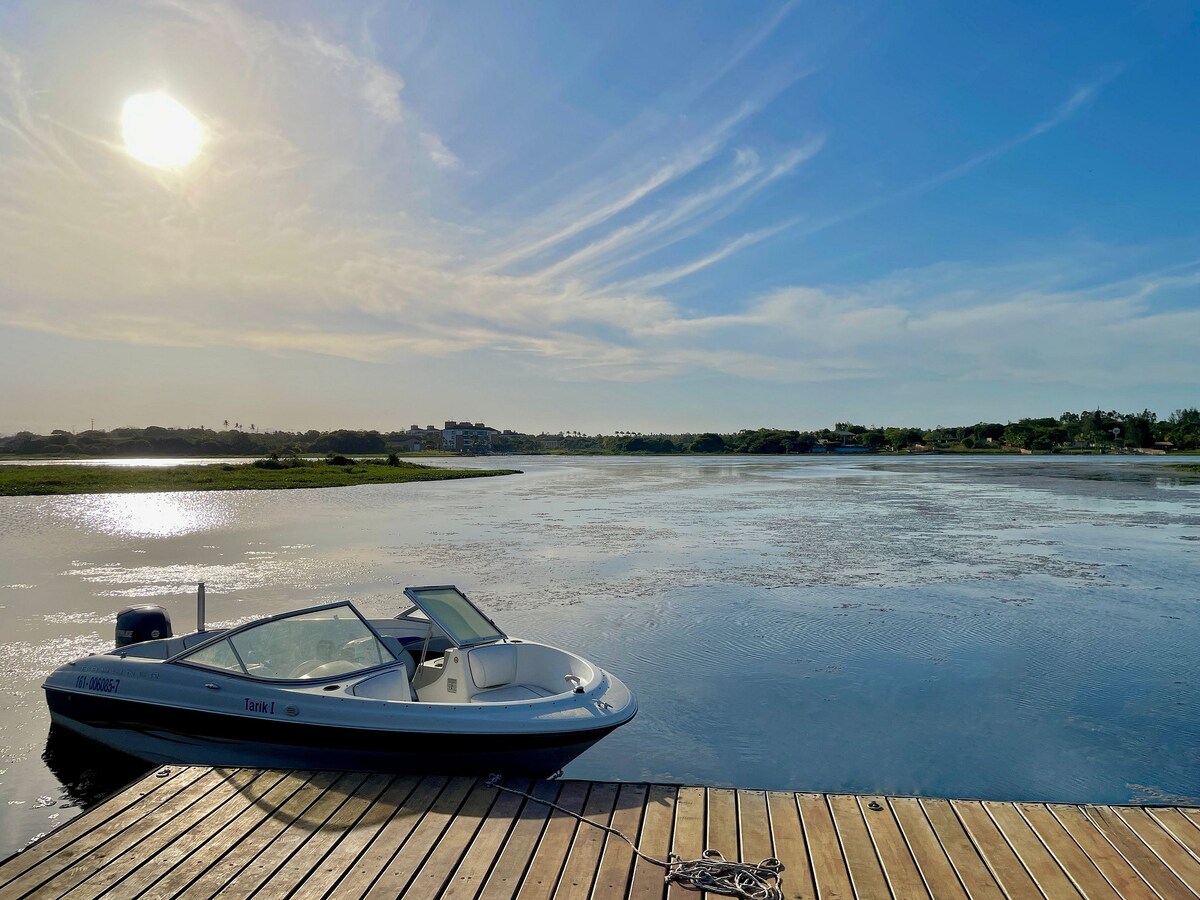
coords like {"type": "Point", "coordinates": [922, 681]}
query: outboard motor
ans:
{"type": "Point", "coordinates": [145, 622]}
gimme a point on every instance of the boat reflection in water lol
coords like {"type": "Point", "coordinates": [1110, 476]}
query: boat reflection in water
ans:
{"type": "Point", "coordinates": [439, 688]}
{"type": "Point", "coordinates": [88, 771]}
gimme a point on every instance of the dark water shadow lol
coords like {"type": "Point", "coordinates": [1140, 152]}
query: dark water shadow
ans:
{"type": "Point", "coordinates": [89, 772]}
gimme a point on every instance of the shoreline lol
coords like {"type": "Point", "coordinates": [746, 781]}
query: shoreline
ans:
{"type": "Point", "coordinates": [51, 480]}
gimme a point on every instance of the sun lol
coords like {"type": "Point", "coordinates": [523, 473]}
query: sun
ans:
{"type": "Point", "coordinates": [160, 131]}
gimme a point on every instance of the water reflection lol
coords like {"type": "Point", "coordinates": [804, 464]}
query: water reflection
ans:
{"type": "Point", "coordinates": [88, 771]}
{"type": "Point", "coordinates": [149, 515]}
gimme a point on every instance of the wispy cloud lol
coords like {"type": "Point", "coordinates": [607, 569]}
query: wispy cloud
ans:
{"type": "Point", "coordinates": [441, 155]}
{"type": "Point", "coordinates": [580, 218]}
{"type": "Point", "coordinates": [664, 277]}
{"type": "Point", "coordinates": [699, 218]}
{"type": "Point", "coordinates": [748, 43]}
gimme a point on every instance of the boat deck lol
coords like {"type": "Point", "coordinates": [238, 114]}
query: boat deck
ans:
{"type": "Point", "coordinates": [204, 832]}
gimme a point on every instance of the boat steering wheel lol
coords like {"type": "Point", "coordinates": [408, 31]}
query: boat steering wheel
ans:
{"type": "Point", "coordinates": [305, 667]}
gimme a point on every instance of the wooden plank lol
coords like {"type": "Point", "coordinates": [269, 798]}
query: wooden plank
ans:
{"type": "Point", "coordinates": [1079, 868]}
{"type": "Point", "coordinates": [787, 838]}
{"type": "Point", "coordinates": [824, 848]}
{"type": "Point", "coordinates": [206, 832]}
{"type": "Point", "coordinates": [1104, 855]}
{"type": "Point", "coordinates": [936, 869]}
{"type": "Point", "coordinates": [899, 867]}
{"type": "Point", "coordinates": [616, 860]}
{"type": "Point", "coordinates": [866, 872]}
{"type": "Point", "coordinates": [1180, 827]}
{"type": "Point", "coordinates": [441, 863]}
{"type": "Point", "coordinates": [291, 838]}
{"type": "Point", "coordinates": [319, 842]}
{"type": "Point", "coordinates": [394, 878]}
{"type": "Point", "coordinates": [721, 830]}
{"type": "Point", "coordinates": [551, 853]}
{"type": "Point", "coordinates": [1003, 862]}
{"type": "Point", "coordinates": [754, 826]}
{"type": "Point", "coordinates": [129, 875]}
{"type": "Point", "coordinates": [1038, 861]}
{"type": "Point", "coordinates": [356, 881]}
{"type": "Point", "coordinates": [1141, 857]}
{"type": "Point", "coordinates": [75, 861]}
{"type": "Point", "coordinates": [583, 859]}
{"type": "Point", "coordinates": [122, 804]}
{"type": "Point", "coordinates": [1173, 854]}
{"type": "Point", "coordinates": [687, 842]}
{"type": "Point", "coordinates": [648, 879]}
{"type": "Point", "coordinates": [122, 853]}
{"type": "Point", "coordinates": [970, 867]}
{"type": "Point", "coordinates": [471, 873]}
{"type": "Point", "coordinates": [83, 837]}
{"type": "Point", "coordinates": [210, 856]}
{"type": "Point", "coordinates": [506, 875]}
{"type": "Point", "coordinates": [242, 854]}
{"type": "Point", "coordinates": [343, 856]}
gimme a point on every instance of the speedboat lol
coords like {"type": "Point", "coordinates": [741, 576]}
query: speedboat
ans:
{"type": "Point", "coordinates": [439, 688]}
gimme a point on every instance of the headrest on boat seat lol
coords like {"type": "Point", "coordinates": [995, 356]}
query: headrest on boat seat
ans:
{"type": "Point", "coordinates": [410, 664]}
{"type": "Point", "coordinates": [493, 665]}
{"type": "Point", "coordinates": [401, 654]}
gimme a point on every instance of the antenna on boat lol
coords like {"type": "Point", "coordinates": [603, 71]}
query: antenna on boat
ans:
{"type": "Point", "coordinates": [200, 608]}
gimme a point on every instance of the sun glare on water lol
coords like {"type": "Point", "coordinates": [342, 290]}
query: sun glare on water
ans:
{"type": "Point", "coordinates": [160, 131]}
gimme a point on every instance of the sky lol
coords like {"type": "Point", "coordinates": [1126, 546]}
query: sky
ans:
{"type": "Point", "coordinates": [598, 217]}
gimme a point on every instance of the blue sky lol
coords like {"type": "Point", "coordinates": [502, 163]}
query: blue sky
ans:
{"type": "Point", "coordinates": [601, 216]}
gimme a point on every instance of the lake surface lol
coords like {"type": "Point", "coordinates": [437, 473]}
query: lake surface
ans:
{"type": "Point", "coordinates": [1004, 628]}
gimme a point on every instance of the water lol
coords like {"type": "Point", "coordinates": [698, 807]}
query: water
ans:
{"type": "Point", "coordinates": [1005, 628]}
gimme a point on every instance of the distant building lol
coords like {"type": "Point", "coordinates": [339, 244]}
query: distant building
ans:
{"type": "Point", "coordinates": [846, 437]}
{"type": "Point", "coordinates": [418, 438]}
{"type": "Point", "coordinates": [467, 437]}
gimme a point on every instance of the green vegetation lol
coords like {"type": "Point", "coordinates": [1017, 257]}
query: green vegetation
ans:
{"type": "Point", "coordinates": [156, 441]}
{"type": "Point", "coordinates": [1188, 467]}
{"type": "Point", "coordinates": [262, 475]}
{"type": "Point", "coordinates": [1090, 431]}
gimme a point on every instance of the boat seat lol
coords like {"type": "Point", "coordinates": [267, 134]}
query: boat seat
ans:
{"type": "Point", "coordinates": [392, 684]}
{"type": "Point", "coordinates": [397, 647]}
{"type": "Point", "coordinates": [510, 693]}
{"type": "Point", "coordinates": [493, 665]}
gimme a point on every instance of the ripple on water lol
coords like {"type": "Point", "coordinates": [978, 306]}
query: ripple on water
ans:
{"type": "Point", "coordinates": [23, 661]}
{"type": "Point", "coordinates": [78, 618]}
{"type": "Point", "coordinates": [255, 570]}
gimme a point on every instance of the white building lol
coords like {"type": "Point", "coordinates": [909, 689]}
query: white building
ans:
{"type": "Point", "coordinates": [467, 437]}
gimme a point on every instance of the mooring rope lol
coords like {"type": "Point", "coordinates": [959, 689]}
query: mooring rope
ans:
{"type": "Point", "coordinates": [711, 872]}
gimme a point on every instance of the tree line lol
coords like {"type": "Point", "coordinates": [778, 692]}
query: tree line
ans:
{"type": "Point", "coordinates": [1091, 430]}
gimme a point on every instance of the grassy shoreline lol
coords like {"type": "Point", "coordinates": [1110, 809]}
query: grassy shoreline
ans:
{"type": "Point", "coordinates": [24, 481]}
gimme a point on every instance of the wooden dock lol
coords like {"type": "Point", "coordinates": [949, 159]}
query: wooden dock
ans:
{"type": "Point", "coordinates": [235, 833]}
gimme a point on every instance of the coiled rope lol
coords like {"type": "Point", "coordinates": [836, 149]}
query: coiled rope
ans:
{"type": "Point", "coordinates": [711, 872]}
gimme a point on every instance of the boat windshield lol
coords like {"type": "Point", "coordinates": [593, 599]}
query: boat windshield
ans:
{"type": "Point", "coordinates": [455, 614]}
{"type": "Point", "coordinates": [316, 644]}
